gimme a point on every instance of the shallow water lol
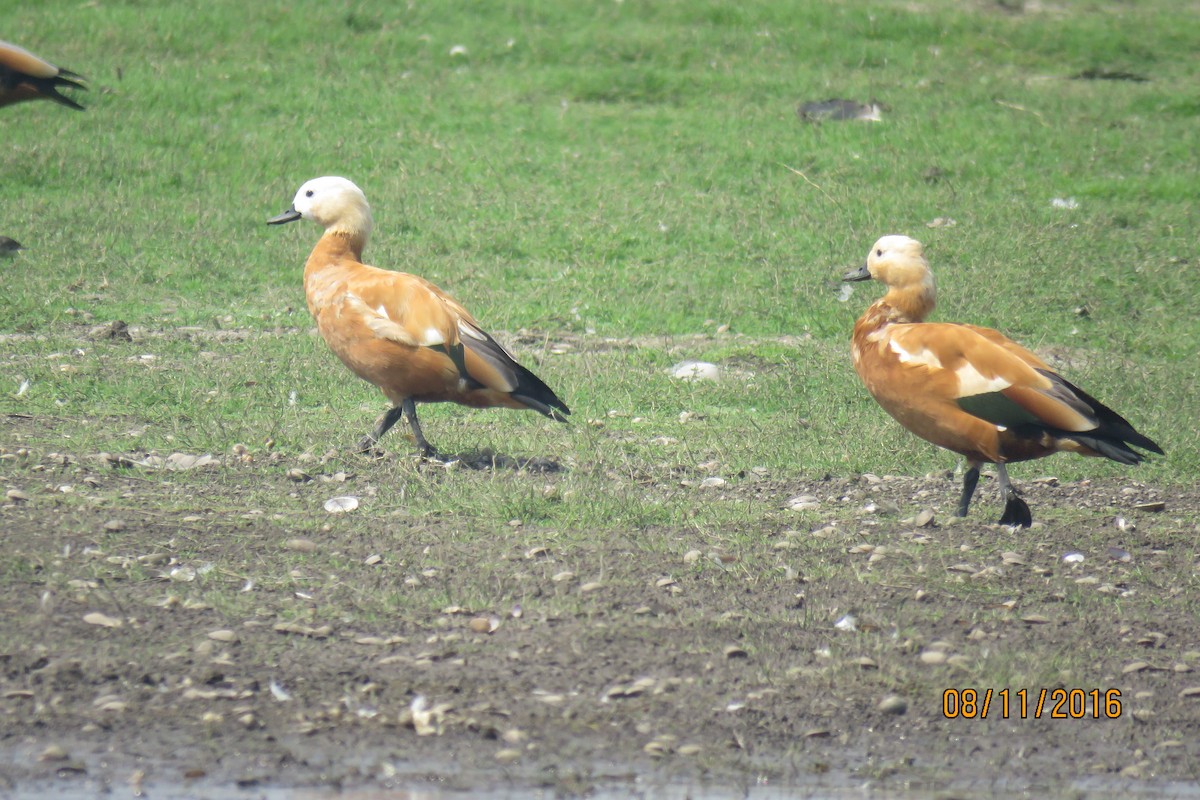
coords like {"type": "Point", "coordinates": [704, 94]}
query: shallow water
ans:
{"type": "Point", "coordinates": [827, 787]}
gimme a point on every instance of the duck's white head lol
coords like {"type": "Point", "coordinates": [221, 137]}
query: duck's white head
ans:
{"type": "Point", "coordinates": [334, 203]}
{"type": "Point", "coordinates": [896, 261]}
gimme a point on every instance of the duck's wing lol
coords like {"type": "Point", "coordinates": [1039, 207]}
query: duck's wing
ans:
{"type": "Point", "coordinates": [24, 76]}
{"type": "Point", "coordinates": [412, 311]}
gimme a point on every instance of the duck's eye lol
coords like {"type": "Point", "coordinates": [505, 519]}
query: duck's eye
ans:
{"type": "Point", "coordinates": [308, 193]}
{"type": "Point", "coordinates": [877, 252]}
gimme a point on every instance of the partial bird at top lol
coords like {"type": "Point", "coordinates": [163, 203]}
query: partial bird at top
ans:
{"type": "Point", "coordinates": [24, 76]}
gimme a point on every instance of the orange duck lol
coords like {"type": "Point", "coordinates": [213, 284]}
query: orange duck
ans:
{"type": "Point", "coordinates": [970, 389]}
{"type": "Point", "coordinates": [399, 331]}
{"type": "Point", "coordinates": [24, 76]}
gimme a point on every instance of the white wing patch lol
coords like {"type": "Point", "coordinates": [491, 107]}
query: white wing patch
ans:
{"type": "Point", "coordinates": [432, 336]}
{"type": "Point", "coordinates": [972, 382]}
{"type": "Point", "coordinates": [379, 322]}
{"type": "Point", "coordinates": [923, 356]}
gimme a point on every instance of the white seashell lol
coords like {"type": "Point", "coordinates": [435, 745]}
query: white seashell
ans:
{"type": "Point", "coordinates": [341, 505]}
{"type": "Point", "coordinates": [695, 371]}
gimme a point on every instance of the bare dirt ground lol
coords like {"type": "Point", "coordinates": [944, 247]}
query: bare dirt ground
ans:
{"type": "Point", "coordinates": [193, 651]}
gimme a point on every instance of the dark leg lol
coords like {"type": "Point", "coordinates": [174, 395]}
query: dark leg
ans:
{"type": "Point", "coordinates": [410, 414]}
{"type": "Point", "coordinates": [367, 443]}
{"type": "Point", "coordinates": [1016, 510]}
{"type": "Point", "coordinates": [970, 480]}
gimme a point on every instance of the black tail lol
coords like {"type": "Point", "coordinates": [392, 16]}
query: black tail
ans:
{"type": "Point", "coordinates": [533, 392]}
{"type": "Point", "coordinates": [1113, 435]}
{"type": "Point", "coordinates": [48, 87]}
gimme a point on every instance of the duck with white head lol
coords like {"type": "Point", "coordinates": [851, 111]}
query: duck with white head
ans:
{"type": "Point", "coordinates": [969, 389]}
{"type": "Point", "coordinates": [399, 331]}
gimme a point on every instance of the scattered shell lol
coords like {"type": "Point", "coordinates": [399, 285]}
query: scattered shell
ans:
{"type": "Point", "coordinates": [427, 720]}
{"type": "Point", "coordinates": [692, 556]}
{"type": "Point", "coordinates": [110, 702]}
{"type": "Point", "coordinates": [1153, 505]}
{"type": "Point", "coordinates": [223, 635]}
{"type": "Point", "coordinates": [847, 623]}
{"type": "Point", "coordinates": [924, 519]}
{"type": "Point", "coordinates": [182, 574]}
{"type": "Point", "coordinates": [114, 525]}
{"type": "Point", "coordinates": [893, 704]}
{"type": "Point", "coordinates": [301, 545]}
{"type": "Point", "coordinates": [1191, 691]}
{"type": "Point", "coordinates": [1135, 666]}
{"type": "Point", "coordinates": [484, 624]}
{"type": "Point", "coordinates": [866, 662]}
{"type": "Point", "coordinates": [803, 502]}
{"type": "Point", "coordinates": [341, 505]}
{"type": "Point", "coordinates": [54, 752]}
{"type": "Point", "coordinates": [1073, 558]}
{"type": "Point", "coordinates": [932, 657]}
{"type": "Point", "coordinates": [590, 587]}
{"type": "Point", "coordinates": [372, 559]}
{"type": "Point", "coordinates": [298, 475]}
{"type": "Point", "coordinates": [17, 496]}
{"type": "Point", "coordinates": [695, 371]}
{"type": "Point", "coordinates": [1035, 619]}
{"type": "Point", "coordinates": [1013, 559]}
{"type": "Point", "coordinates": [565, 575]}
{"type": "Point", "coordinates": [537, 552]}
{"type": "Point", "coordinates": [177, 461]}
{"type": "Point", "coordinates": [733, 651]}
{"type": "Point", "coordinates": [279, 693]}
{"type": "Point", "coordinates": [1118, 554]}
{"type": "Point", "coordinates": [303, 630]}
{"type": "Point", "coordinates": [712, 482]}
{"type": "Point", "coordinates": [689, 750]}
{"type": "Point", "coordinates": [839, 109]}
{"type": "Point", "coordinates": [514, 736]}
{"type": "Point", "coordinates": [103, 620]}
{"type": "Point", "coordinates": [508, 755]}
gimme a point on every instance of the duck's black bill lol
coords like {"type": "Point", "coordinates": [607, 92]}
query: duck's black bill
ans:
{"type": "Point", "coordinates": [858, 274]}
{"type": "Point", "coordinates": [291, 215]}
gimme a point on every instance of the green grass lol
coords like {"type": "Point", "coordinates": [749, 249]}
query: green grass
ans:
{"type": "Point", "coordinates": [591, 171]}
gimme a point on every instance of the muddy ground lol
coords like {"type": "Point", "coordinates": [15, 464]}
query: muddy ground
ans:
{"type": "Point", "coordinates": [157, 641]}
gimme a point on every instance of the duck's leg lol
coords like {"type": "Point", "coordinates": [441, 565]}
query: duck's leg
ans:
{"type": "Point", "coordinates": [367, 443]}
{"type": "Point", "coordinates": [970, 481]}
{"type": "Point", "coordinates": [410, 414]}
{"type": "Point", "coordinates": [1016, 510]}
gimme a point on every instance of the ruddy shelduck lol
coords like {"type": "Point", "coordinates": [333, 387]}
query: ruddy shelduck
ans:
{"type": "Point", "coordinates": [970, 389]}
{"type": "Point", "coordinates": [399, 331]}
{"type": "Point", "coordinates": [24, 76]}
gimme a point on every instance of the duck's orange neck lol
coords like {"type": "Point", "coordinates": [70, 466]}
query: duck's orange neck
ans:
{"type": "Point", "coordinates": [336, 247]}
{"type": "Point", "coordinates": [908, 304]}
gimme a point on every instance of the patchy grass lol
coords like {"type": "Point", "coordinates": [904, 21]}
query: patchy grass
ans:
{"type": "Point", "coordinates": [612, 189]}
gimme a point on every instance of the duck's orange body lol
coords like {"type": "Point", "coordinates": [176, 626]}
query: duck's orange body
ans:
{"type": "Point", "coordinates": [970, 389]}
{"type": "Point", "coordinates": [24, 76]}
{"type": "Point", "coordinates": [399, 331]}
